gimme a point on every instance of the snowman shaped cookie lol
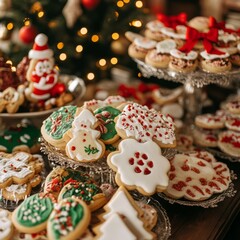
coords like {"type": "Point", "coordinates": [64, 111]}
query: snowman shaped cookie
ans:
{"type": "Point", "coordinates": [41, 74]}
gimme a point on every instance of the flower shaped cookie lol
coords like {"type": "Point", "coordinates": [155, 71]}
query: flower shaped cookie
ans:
{"type": "Point", "coordinates": [140, 166]}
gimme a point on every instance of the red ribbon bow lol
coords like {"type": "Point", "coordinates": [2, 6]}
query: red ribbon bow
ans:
{"type": "Point", "coordinates": [193, 36]}
{"type": "Point", "coordinates": [220, 25]}
{"type": "Point", "coordinates": [126, 92]}
{"type": "Point", "coordinates": [172, 21]}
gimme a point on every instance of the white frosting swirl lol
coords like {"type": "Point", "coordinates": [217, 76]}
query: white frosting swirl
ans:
{"type": "Point", "coordinates": [192, 55]}
{"type": "Point", "coordinates": [145, 43]}
{"type": "Point", "coordinates": [155, 26]}
{"type": "Point", "coordinates": [165, 46]}
{"type": "Point", "coordinates": [171, 33]}
{"type": "Point", "coordinates": [208, 56]}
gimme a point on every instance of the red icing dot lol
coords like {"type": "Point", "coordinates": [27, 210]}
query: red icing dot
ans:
{"type": "Point", "coordinates": [150, 164]}
{"type": "Point", "coordinates": [203, 181]}
{"type": "Point", "coordinates": [144, 156]}
{"type": "Point", "coordinates": [131, 161]}
{"type": "Point", "coordinates": [140, 162]}
{"type": "Point", "coordinates": [202, 164]}
{"type": "Point", "coordinates": [137, 170]}
{"type": "Point", "coordinates": [73, 148]}
{"type": "Point", "coordinates": [147, 171]}
{"type": "Point", "coordinates": [137, 154]}
{"type": "Point", "coordinates": [84, 140]}
{"type": "Point", "coordinates": [195, 170]}
{"type": "Point", "coordinates": [188, 179]}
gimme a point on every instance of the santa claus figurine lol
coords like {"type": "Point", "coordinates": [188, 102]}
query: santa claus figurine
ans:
{"type": "Point", "coordinates": [42, 74]}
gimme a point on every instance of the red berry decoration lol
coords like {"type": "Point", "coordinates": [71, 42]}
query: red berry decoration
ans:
{"type": "Point", "coordinates": [27, 34]}
{"type": "Point", "coordinates": [90, 4]}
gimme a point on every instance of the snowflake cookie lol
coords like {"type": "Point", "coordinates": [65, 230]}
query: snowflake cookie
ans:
{"type": "Point", "coordinates": [140, 166]}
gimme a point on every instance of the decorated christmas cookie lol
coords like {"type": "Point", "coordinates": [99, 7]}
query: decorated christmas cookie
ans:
{"type": "Point", "coordinates": [42, 73]}
{"type": "Point", "coordinates": [23, 136]}
{"type": "Point", "coordinates": [15, 168]}
{"type": "Point", "coordinates": [89, 192]}
{"type": "Point", "coordinates": [84, 145]}
{"type": "Point", "coordinates": [150, 215]}
{"type": "Point", "coordinates": [205, 137]}
{"type": "Point", "coordinates": [11, 100]}
{"type": "Point", "coordinates": [32, 215]}
{"type": "Point", "coordinates": [123, 204]}
{"type": "Point", "coordinates": [30, 236]}
{"type": "Point", "coordinates": [229, 142]}
{"type": "Point", "coordinates": [6, 226]}
{"type": "Point", "coordinates": [143, 124]}
{"type": "Point", "coordinates": [114, 228]}
{"type": "Point", "coordinates": [59, 177]}
{"type": "Point", "coordinates": [195, 178]}
{"type": "Point", "coordinates": [140, 166]}
{"type": "Point", "coordinates": [209, 121]}
{"type": "Point", "coordinates": [57, 124]}
{"type": "Point", "coordinates": [233, 123]}
{"type": "Point", "coordinates": [69, 219]}
{"type": "Point", "coordinates": [106, 117]}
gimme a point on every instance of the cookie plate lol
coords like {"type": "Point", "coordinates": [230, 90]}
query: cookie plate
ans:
{"type": "Point", "coordinates": [75, 85]}
{"type": "Point", "coordinates": [212, 202]}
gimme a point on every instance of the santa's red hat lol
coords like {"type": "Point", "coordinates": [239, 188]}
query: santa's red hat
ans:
{"type": "Point", "coordinates": [40, 48]}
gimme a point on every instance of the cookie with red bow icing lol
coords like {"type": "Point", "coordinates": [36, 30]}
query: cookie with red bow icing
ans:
{"type": "Point", "coordinates": [196, 179]}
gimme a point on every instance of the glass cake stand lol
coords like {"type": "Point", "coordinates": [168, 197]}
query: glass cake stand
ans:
{"type": "Point", "coordinates": [98, 169]}
{"type": "Point", "coordinates": [212, 202]}
{"type": "Point", "coordinates": [193, 83]}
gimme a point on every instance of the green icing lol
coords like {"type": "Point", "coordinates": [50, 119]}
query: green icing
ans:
{"type": "Point", "coordinates": [67, 216]}
{"type": "Point", "coordinates": [34, 210]}
{"type": "Point", "coordinates": [110, 147]}
{"type": "Point", "coordinates": [21, 134]}
{"type": "Point", "coordinates": [107, 115]}
{"type": "Point", "coordinates": [76, 175]}
{"type": "Point", "coordinates": [84, 191]}
{"type": "Point", "coordinates": [60, 121]}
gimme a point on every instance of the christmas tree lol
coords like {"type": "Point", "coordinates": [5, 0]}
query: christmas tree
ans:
{"type": "Point", "coordinates": [87, 36]}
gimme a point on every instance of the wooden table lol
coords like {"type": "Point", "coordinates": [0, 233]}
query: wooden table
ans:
{"type": "Point", "coordinates": [197, 223]}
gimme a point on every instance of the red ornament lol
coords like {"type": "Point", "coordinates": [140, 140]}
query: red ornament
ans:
{"type": "Point", "coordinates": [27, 34]}
{"type": "Point", "coordinates": [90, 4]}
{"type": "Point", "coordinates": [58, 89]}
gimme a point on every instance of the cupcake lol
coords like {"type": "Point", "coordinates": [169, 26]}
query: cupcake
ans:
{"type": "Point", "coordinates": [160, 56]}
{"type": "Point", "coordinates": [183, 62]}
{"type": "Point", "coordinates": [215, 63]}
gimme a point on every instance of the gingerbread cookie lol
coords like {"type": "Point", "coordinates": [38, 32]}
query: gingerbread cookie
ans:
{"type": "Point", "coordinates": [32, 215]}
{"type": "Point", "coordinates": [123, 204]}
{"type": "Point", "coordinates": [84, 132]}
{"type": "Point", "coordinates": [229, 142]}
{"type": "Point", "coordinates": [140, 166]}
{"type": "Point", "coordinates": [143, 124]}
{"type": "Point", "coordinates": [11, 100]}
{"type": "Point", "coordinates": [57, 124]}
{"type": "Point", "coordinates": [68, 220]}
{"type": "Point", "coordinates": [6, 226]}
{"type": "Point", "coordinates": [89, 192]}
{"type": "Point", "coordinates": [106, 117]}
{"type": "Point", "coordinates": [195, 178]}
{"type": "Point", "coordinates": [21, 137]}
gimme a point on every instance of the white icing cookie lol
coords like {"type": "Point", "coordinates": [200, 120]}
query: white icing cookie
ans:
{"type": "Point", "coordinates": [195, 178]}
{"type": "Point", "coordinates": [6, 226]}
{"type": "Point", "coordinates": [192, 55]}
{"type": "Point", "coordinates": [145, 124]}
{"type": "Point", "coordinates": [140, 166]}
{"type": "Point", "coordinates": [123, 204]}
